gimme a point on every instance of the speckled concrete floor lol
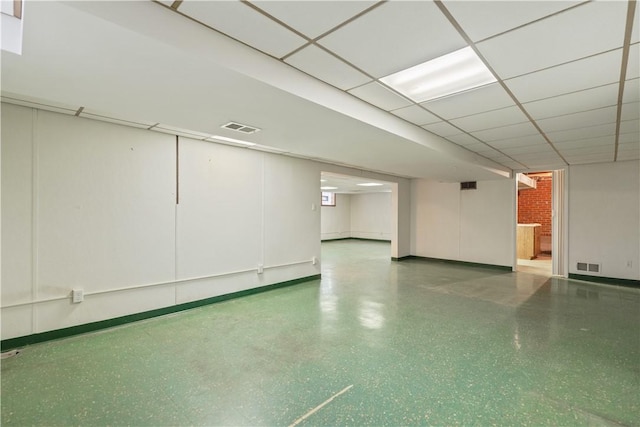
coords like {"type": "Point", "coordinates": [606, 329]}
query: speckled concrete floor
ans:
{"type": "Point", "coordinates": [419, 342]}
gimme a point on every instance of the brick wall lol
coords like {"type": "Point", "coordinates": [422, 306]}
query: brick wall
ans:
{"type": "Point", "coordinates": [534, 206]}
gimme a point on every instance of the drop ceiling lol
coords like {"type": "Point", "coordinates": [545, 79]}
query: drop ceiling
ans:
{"type": "Point", "coordinates": [308, 74]}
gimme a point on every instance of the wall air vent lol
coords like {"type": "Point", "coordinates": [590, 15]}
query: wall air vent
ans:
{"type": "Point", "coordinates": [583, 266]}
{"type": "Point", "coordinates": [470, 185]}
{"type": "Point", "coordinates": [239, 127]}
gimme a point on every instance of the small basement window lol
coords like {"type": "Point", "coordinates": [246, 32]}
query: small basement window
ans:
{"type": "Point", "coordinates": [328, 199]}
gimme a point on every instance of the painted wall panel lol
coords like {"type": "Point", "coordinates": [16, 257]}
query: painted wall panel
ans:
{"type": "Point", "coordinates": [487, 223]}
{"type": "Point", "coordinates": [336, 220]}
{"type": "Point", "coordinates": [604, 218]}
{"type": "Point", "coordinates": [473, 225]}
{"type": "Point", "coordinates": [220, 212]}
{"type": "Point", "coordinates": [17, 209]}
{"type": "Point", "coordinates": [106, 205]}
{"type": "Point", "coordinates": [291, 227]}
{"type": "Point", "coordinates": [371, 216]}
{"type": "Point", "coordinates": [436, 219]}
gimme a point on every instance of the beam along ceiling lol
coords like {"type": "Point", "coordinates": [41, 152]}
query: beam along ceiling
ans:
{"type": "Point", "coordinates": [308, 73]}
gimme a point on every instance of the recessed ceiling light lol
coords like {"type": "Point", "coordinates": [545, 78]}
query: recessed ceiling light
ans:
{"type": "Point", "coordinates": [328, 188]}
{"type": "Point", "coordinates": [323, 180]}
{"type": "Point", "coordinates": [233, 140]}
{"type": "Point", "coordinates": [369, 184]}
{"type": "Point", "coordinates": [452, 73]}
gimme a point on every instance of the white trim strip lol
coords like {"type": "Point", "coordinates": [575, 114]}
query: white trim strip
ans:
{"type": "Point", "coordinates": [320, 406]}
{"type": "Point", "coordinates": [149, 285]}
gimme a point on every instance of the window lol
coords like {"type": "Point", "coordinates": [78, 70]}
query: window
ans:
{"type": "Point", "coordinates": [328, 199]}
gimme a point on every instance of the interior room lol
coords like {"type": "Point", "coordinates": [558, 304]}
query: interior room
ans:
{"type": "Point", "coordinates": [535, 222]}
{"type": "Point", "coordinates": [166, 258]}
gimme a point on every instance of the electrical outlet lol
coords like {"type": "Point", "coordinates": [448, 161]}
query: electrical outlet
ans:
{"type": "Point", "coordinates": [77, 296]}
{"type": "Point", "coordinates": [314, 260]}
{"type": "Point", "coordinates": [260, 268]}
{"type": "Point", "coordinates": [629, 264]}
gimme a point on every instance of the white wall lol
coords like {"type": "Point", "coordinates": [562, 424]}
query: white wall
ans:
{"type": "Point", "coordinates": [371, 216]}
{"type": "Point", "coordinates": [336, 220]}
{"type": "Point", "coordinates": [92, 205]}
{"type": "Point", "coordinates": [604, 218]}
{"type": "Point", "coordinates": [472, 225]}
{"type": "Point", "coordinates": [364, 216]}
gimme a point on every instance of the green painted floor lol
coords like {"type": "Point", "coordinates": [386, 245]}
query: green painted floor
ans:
{"type": "Point", "coordinates": [418, 342]}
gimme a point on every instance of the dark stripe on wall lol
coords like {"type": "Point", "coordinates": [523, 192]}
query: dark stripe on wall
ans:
{"type": "Point", "coordinates": [606, 280]}
{"type": "Point", "coordinates": [451, 261]}
{"type": "Point", "coordinates": [12, 343]}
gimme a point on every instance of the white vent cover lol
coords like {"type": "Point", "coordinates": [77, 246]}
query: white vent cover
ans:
{"type": "Point", "coordinates": [239, 127]}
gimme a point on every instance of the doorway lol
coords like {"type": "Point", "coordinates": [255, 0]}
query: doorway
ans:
{"type": "Point", "coordinates": [357, 208]}
{"type": "Point", "coordinates": [535, 223]}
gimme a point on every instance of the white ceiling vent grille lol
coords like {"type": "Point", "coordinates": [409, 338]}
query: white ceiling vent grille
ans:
{"type": "Point", "coordinates": [239, 127]}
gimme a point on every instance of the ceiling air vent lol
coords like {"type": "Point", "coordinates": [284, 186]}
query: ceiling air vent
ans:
{"type": "Point", "coordinates": [239, 127]}
{"type": "Point", "coordinates": [471, 185]}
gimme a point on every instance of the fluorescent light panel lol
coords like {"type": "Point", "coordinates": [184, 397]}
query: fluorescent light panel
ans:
{"type": "Point", "coordinates": [452, 73]}
{"type": "Point", "coordinates": [328, 188]}
{"type": "Point", "coordinates": [235, 141]}
{"type": "Point", "coordinates": [370, 184]}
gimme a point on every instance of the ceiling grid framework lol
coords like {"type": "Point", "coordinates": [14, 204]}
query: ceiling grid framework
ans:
{"type": "Point", "coordinates": [513, 121]}
{"type": "Point", "coordinates": [567, 87]}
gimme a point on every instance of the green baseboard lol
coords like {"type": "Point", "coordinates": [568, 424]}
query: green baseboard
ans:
{"type": "Point", "coordinates": [606, 280]}
{"type": "Point", "coordinates": [357, 238]}
{"type": "Point", "coordinates": [402, 258]}
{"type": "Point", "coordinates": [12, 343]}
{"type": "Point", "coordinates": [464, 263]}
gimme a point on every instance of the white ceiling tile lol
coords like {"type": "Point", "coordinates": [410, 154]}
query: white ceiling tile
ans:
{"type": "Point", "coordinates": [635, 33]}
{"type": "Point", "coordinates": [599, 141]}
{"type": "Point", "coordinates": [324, 66]}
{"type": "Point", "coordinates": [378, 95]}
{"type": "Point", "coordinates": [313, 18]}
{"type": "Point", "coordinates": [631, 111]}
{"type": "Point", "coordinates": [629, 126]}
{"type": "Point", "coordinates": [485, 150]}
{"type": "Point", "coordinates": [167, 2]}
{"type": "Point", "coordinates": [629, 138]}
{"type": "Point", "coordinates": [485, 98]}
{"type": "Point", "coordinates": [241, 22]}
{"type": "Point", "coordinates": [416, 115]}
{"type": "Point", "coordinates": [523, 141]}
{"type": "Point", "coordinates": [583, 133]}
{"type": "Point", "coordinates": [491, 119]}
{"type": "Point", "coordinates": [512, 164]}
{"type": "Point", "coordinates": [590, 157]}
{"type": "Point", "coordinates": [474, 147]}
{"type": "Point", "coordinates": [546, 165]}
{"type": "Point", "coordinates": [575, 76]}
{"type": "Point", "coordinates": [599, 149]}
{"type": "Point", "coordinates": [578, 120]}
{"type": "Point", "coordinates": [542, 156]}
{"type": "Point", "coordinates": [628, 147]}
{"type": "Point", "coordinates": [443, 129]}
{"type": "Point", "coordinates": [633, 66]}
{"type": "Point", "coordinates": [481, 19]}
{"type": "Point", "coordinates": [579, 32]}
{"type": "Point", "coordinates": [527, 149]}
{"type": "Point", "coordinates": [395, 36]}
{"type": "Point", "coordinates": [463, 139]}
{"type": "Point", "coordinates": [631, 91]}
{"type": "Point", "coordinates": [588, 99]}
{"type": "Point", "coordinates": [629, 155]}
{"type": "Point", "coordinates": [506, 132]}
